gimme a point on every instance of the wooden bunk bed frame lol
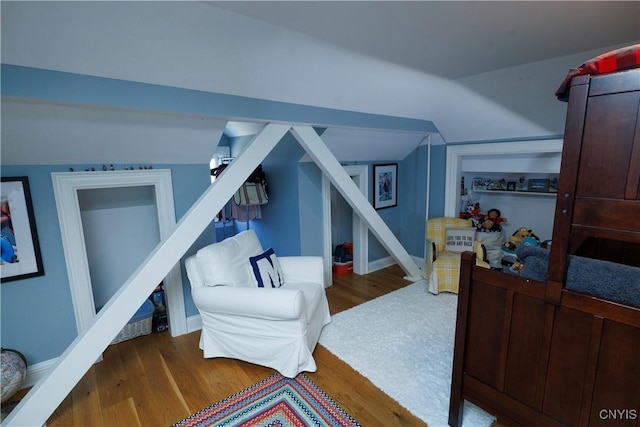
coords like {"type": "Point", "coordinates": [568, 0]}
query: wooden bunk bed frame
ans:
{"type": "Point", "coordinates": [536, 353]}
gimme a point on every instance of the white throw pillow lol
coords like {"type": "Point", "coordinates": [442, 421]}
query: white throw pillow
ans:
{"type": "Point", "coordinates": [266, 270]}
{"type": "Point", "coordinates": [225, 263]}
{"type": "Point", "coordinates": [460, 239]}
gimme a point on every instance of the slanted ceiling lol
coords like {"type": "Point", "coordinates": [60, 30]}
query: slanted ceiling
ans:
{"type": "Point", "coordinates": [59, 133]}
{"type": "Point", "coordinates": [39, 133]}
{"type": "Point", "coordinates": [350, 144]}
{"type": "Point", "coordinates": [454, 39]}
{"type": "Point", "coordinates": [477, 70]}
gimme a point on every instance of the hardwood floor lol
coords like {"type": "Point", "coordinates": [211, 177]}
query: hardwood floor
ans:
{"type": "Point", "coordinates": [157, 380]}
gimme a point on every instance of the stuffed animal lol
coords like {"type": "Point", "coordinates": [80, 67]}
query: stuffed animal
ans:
{"type": "Point", "coordinates": [491, 221]}
{"type": "Point", "coordinates": [516, 267]}
{"type": "Point", "coordinates": [474, 209]}
{"type": "Point", "coordinates": [509, 248]}
{"type": "Point", "coordinates": [524, 236]}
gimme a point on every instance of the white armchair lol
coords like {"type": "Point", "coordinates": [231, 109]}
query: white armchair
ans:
{"type": "Point", "coordinates": [277, 327]}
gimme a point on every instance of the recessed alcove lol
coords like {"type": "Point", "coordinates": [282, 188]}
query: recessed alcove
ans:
{"type": "Point", "coordinates": [110, 222]}
{"type": "Point", "coordinates": [539, 158]}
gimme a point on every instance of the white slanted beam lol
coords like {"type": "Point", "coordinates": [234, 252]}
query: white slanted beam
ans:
{"type": "Point", "coordinates": [38, 405]}
{"type": "Point", "coordinates": [318, 151]}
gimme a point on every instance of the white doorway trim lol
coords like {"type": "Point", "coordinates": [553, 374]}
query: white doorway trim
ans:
{"type": "Point", "coordinates": [360, 176]}
{"type": "Point", "coordinates": [66, 186]}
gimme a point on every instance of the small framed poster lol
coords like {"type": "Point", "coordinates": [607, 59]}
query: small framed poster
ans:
{"type": "Point", "coordinates": [20, 251]}
{"type": "Point", "coordinates": [538, 185]}
{"type": "Point", "coordinates": [385, 186]}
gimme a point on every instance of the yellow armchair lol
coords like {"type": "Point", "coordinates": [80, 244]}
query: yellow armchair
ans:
{"type": "Point", "coordinates": [442, 268]}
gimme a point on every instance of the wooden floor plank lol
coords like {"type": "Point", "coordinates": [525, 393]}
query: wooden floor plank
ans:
{"type": "Point", "coordinates": [357, 395]}
{"type": "Point", "coordinates": [85, 401]}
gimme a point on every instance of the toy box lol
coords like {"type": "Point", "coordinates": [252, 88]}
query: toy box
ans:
{"type": "Point", "coordinates": [342, 267]}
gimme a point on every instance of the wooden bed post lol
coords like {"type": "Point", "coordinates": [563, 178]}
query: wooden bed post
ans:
{"type": "Point", "coordinates": [456, 402]}
{"type": "Point", "coordinates": [574, 127]}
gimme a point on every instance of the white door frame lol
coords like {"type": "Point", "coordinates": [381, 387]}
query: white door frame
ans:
{"type": "Point", "coordinates": [360, 175]}
{"type": "Point", "coordinates": [66, 186]}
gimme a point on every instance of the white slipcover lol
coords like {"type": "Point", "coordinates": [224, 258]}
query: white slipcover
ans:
{"type": "Point", "coordinates": [274, 327]}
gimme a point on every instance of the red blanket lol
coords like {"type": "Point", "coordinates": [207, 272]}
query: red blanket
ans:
{"type": "Point", "coordinates": [625, 58]}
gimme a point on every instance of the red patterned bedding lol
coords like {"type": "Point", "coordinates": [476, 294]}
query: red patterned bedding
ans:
{"type": "Point", "coordinates": [625, 58]}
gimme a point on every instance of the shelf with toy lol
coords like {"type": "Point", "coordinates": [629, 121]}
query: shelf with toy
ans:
{"type": "Point", "coordinates": [523, 184]}
{"type": "Point", "coordinates": [518, 193]}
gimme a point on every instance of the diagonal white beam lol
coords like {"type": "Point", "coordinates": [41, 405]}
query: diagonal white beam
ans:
{"type": "Point", "coordinates": [38, 405]}
{"type": "Point", "coordinates": [318, 151]}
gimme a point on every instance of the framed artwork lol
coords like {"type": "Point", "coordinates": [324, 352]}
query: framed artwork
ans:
{"type": "Point", "coordinates": [20, 252]}
{"type": "Point", "coordinates": [511, 186]}
{"type": "Point", "coordinates": [385, 186]}
{"type": "Point", "coordinates": [538, 185]}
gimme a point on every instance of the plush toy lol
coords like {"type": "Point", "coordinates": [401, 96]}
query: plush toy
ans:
{"type": "Point", "coordinates": [490, 235]}
{"type": "Point", "coordinates": [524, 236]}
{"type": "Point", "coordinates": [492, 221]}
{"type": "Point", "coordinates": [474, 209]}
{"type": "Point", "coordinates": [516, 267]}
{"type": "Point", "coordinates": [509, 248]}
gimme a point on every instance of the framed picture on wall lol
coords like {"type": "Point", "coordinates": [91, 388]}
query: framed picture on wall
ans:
{"type": "Point", "coordinates": [538, 185]}
{"type": "Point", "coordinates": [20, 250]}
{"type": "Point", "coordinates": [385, 186]}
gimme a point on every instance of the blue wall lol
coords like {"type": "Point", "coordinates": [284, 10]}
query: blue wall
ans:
{"type": "Point", "coordinates": [437, 184]}
{"type": "Point", "coordinates": [280, 224]}
{"type": "Point", "coordinates": [413, 180]}
{"type": "Point", "coordinates": [37, 313]}
{"type": "Point", "coordinates": [310, 209]}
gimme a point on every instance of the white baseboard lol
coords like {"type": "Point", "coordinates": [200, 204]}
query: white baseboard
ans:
{"type": "Point", "coordinates": [381, 263]}
{"type": "Point", "coordinates": [37, 371]}
{"type": "Point", "coordinates": [419, 261]}
{"type": "Point", "coordinates": [194, 323]}
{"type": "Point", "coordinates": [385, 262]}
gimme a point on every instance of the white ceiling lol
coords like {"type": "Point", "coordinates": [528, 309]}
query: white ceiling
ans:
{"type": "Point", "coordinates": [478, 70]}
{"type": "Point", "coordinates": [455, 39]}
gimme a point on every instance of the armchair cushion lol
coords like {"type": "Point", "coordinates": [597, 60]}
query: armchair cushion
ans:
{"type": "Point", "coordinates": [266, 270]}
{"type": "Point", "coordinates": [286, 304]}
{"type": "Point", "coordinates": [227, 263]}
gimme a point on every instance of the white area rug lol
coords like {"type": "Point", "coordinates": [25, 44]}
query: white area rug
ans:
{"type": "Point", "coordinates": [403, 343]}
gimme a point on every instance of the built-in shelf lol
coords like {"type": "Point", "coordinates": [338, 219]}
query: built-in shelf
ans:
{"type": "Point", "coordinates": [516, 193]}
{"type": "Point", "coordinates": [516, 163]}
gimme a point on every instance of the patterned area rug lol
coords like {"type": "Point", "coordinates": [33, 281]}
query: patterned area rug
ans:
{"type": "Point", "coordinates": [276, 401]}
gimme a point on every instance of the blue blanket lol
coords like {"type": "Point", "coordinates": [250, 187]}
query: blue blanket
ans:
{"type": "Point", "coordinates": [603, 279]}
